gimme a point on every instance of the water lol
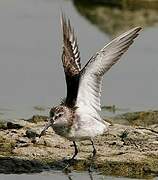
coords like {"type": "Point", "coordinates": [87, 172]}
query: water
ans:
{"type": "Point", "coordinates": [30, 53]}
{"type": "Point", "coordinates": [61, 176]}
{"type": "Point", "coordinates": [31, 72]}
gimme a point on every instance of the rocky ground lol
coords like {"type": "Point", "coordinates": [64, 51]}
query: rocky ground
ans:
{"type": "Point", "coordinates": [130, 148]}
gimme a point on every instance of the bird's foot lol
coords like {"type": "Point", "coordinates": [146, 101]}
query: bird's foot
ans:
{"type": "Point", "coordinates": [67, 169]}
{"type": "Point", "coordinates": [91, 166]}
{"type": "Point", "coordinates": [92, 158]}
{"type": "Point", "coordinates": [69, 163]}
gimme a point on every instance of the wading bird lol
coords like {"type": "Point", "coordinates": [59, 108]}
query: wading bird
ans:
{"type": "Point", "coordinates": [77, 118]}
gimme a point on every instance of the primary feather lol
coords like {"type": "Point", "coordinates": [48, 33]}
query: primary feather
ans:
{"type": "Point", "coordinates": [89, 91]}
{"type": "Point", "coordinates": [71, 61]}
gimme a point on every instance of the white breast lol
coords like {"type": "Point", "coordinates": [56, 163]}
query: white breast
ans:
{"type": "Point", "coordinates": [88, 125]}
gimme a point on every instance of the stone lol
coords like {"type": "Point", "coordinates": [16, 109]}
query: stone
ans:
{"type": "Point", "coordinates": [37, 118]}
{"type": "Point", "coordinates": [31, 134]}
{"type": "Point", "coordinates": [16, 124]}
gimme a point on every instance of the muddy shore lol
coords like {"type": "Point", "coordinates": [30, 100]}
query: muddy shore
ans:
{"type": "Point", "coordinates": [129, 148]}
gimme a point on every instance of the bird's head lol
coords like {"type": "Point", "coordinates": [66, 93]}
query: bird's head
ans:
{"type": "Point", "coordinates": [59, 116]}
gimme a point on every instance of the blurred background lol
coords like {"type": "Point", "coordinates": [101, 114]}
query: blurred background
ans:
{"type": "Point", "coordinates": [31, 73]}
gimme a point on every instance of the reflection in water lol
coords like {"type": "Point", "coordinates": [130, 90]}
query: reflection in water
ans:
{"type": "Point", "coordinates": [93, 176]}
{"type": "Point", "coordinates": [114, 18]}
{"type": "Point", "coordinates": [89, 174]}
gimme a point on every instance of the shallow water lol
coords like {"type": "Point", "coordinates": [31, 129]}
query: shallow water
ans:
{"type": "Point", "coordinates": [31, 72]}
{"type": "Point", "coordinates": [60, 176]}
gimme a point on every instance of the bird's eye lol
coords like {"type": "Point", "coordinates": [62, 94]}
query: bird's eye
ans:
{"type": "Point", "coordinates": [59, 115]}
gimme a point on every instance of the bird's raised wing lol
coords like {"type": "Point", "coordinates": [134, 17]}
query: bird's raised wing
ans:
{"type": "Point", "coordinates": [89, 91]}
{"type": "Point", "coordinates": [71, 61]}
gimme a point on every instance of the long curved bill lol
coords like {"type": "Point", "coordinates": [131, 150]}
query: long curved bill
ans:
{"type": "Point", "coordinates": [45, 128]}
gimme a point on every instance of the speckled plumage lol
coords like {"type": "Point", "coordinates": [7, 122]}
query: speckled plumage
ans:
{"type": "Point", "coordinates": [77, 117]}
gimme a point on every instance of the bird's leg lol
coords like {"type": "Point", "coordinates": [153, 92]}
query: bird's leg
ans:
{"type": "Point", "coordinates": [94, 150]}
{"type": "Point", "coordinates": [92, 158]}
{"type": "Point", "coordinates": [76, 151]}
{"type": "Point", "coordinates": [71, 161]}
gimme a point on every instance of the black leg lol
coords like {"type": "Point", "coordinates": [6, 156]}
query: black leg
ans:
{"type": "Point", "coordinates": [94, 150]}
{"type": "Point", "coordinates": [76, 150]}
{"type": "Point", "coordinates": [71, 161]}
{"type": "Point", "coordinates": [92, 158]}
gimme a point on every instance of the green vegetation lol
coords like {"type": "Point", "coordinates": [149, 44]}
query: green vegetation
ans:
{"type": "Point", "coordinates": [114, 17]}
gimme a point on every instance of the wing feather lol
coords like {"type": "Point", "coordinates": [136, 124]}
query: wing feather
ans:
{"type": "Point", "coordinates": [89, 91]}
{"type": "Point", "coordinates": [71, 54]}
{"type": "Point", "coordinates": [71, 61]}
